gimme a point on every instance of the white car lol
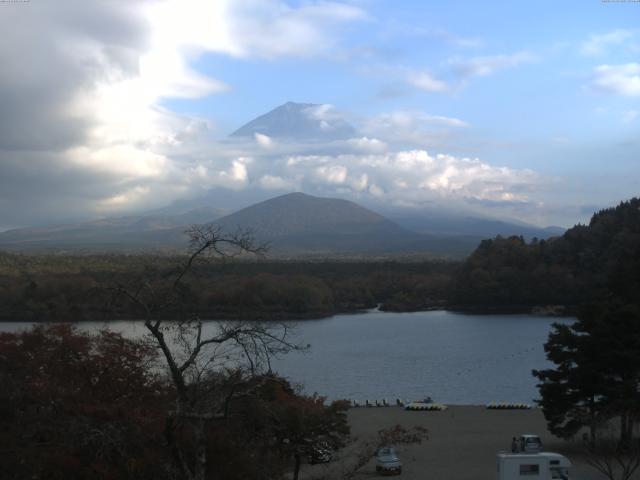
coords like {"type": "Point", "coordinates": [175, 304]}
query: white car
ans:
{"type": "Point", "coordinates": [387, 461]}
{"type": "Point", "coordinates": [530, 443]}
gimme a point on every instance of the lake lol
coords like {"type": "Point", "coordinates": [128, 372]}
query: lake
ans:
{"type": "Point", "coordinates": [454, 358]}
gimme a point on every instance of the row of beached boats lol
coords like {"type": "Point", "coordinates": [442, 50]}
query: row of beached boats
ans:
{"type": "Point", "coordinates": [428, 404]}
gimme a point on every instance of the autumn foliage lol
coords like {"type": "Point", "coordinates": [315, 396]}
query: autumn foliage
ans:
{"type": "Point", "coordinates": [75, 405]}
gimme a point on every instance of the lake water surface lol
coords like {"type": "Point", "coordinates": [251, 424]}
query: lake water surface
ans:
{"type": "Point", "coordinates": [454, 358]}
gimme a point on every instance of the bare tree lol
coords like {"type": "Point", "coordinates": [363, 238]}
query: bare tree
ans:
{"type": "Point", "coordinates": [198, 355]}
{"type": "Point", "coordinates": [613, 458]}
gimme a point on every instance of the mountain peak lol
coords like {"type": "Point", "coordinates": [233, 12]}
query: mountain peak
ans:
{"type": "Point", "coordinates": [299, 121]}
{"type": "Point", "coordinates": [297, 212]}
{"type": "Point", "coordinates": [297, 105]}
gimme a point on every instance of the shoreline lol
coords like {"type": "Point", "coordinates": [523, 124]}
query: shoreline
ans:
{"type": "Point", "coordinates": [558, 311]}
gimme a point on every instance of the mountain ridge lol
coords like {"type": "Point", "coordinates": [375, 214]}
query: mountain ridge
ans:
{"type": "Point", "coordinates": [294, 224]}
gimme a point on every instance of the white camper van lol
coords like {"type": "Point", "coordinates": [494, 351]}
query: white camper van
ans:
{"type": "Point", "coordinates": [533, 466]}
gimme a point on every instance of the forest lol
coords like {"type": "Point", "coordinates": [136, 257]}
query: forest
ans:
{"type": "Point", "coordinates": [502, 275]}
{"type": "Point", "coordinates": [179, 403]}
{"type": "Point", "coordinates": [76, 287]}
{"type": "Point", "coordinates": [99, 406]}
{"type": "Point", "coordinates": [587, 262]}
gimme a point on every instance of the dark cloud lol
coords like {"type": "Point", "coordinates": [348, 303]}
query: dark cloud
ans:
{"type": "Point", "coordinates": [51, 53]}
{"type": "Point", "coordinates": [48, 58]}
{"type": "Point", "coordinates": [54, 166]}
{"type": "Point", "coordinates": [41, 187]}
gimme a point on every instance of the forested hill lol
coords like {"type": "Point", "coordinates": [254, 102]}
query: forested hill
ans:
{"type": "Point", "coordinates": [587, 262]}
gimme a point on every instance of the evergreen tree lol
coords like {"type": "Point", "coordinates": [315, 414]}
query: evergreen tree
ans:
{"type": "Point", "coordinates": [571, 393]}
{"type": "Point", "coordinates": [597, 373]}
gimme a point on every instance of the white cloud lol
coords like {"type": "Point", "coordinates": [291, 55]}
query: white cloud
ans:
{"type": "Point", "coordinates": [335, 174]}
{"type": "Point", "coordinates": [238, 172]}
{"type": "Point", "coordinates": [448, 121]}
{"type": "Point", "coordinates": [599, 44]}
{"type": "Point", "coordinates": [487, 65]}
{"type": "Point", "coordinates": [617, 79]}
{"type": "Point", "coordinates": [132, 195]}
{"type": "Point", "coordinates": [87, 100]}
{"type": "Point", "coordinates": [462, 69]}
{"type": "Point", "coordinates": [411, 127]}
{"type": "Point", "coordinates": [324, 111]}
{"type": "Point", "coordinates": [366, 144]}
{"type": "Point", "coordinates": [255, 28]}
{"type": "Point", "coordinates": [274, 182]}
{"type": "Point", "coordinates": [376, 191]}
{"type": "Point", "coordinates": [410, 177]}
{"type": "Point", "coordinates": [359, 184]}
{"type": "Point", "coordinates": [125, 160]}
{"type": "Point", "coordinates": [200, 171]}
{"type": "Point", "coordinates": [427, 82]}
{"type": "Point", "coordinates": [411, 120]}
{"type": "Point", "coordinates": [235, 176]}
{"type": "Point", "coordinates": [128, 151]}
{"type": "Point", "coordinates": [265, 141]}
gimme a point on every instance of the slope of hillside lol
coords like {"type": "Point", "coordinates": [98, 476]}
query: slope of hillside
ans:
{"type": "Point", "coordinates": [157, 231]}
{"type": "Point", "coordinates": [298, 213]}
{"type": "Point", "coordinates": [299, 224]}
{"type": "Point", "coordinates": [294, 224]}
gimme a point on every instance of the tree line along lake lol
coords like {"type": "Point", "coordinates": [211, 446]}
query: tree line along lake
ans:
{"type": "Point", "coordinates": [454, 358]}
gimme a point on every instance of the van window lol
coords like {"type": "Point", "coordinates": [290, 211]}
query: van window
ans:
{"type": "Point", "coordinates": [529, 470]}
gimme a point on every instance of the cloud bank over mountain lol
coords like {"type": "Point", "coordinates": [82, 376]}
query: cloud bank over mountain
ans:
{"type": "Point", "coordinates": [116, 107]}
{"type": "Point", "coordinates": [81, 88]}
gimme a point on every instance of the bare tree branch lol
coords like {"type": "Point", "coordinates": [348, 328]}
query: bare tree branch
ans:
{"type": "Point", "coordinates": [183, 344]}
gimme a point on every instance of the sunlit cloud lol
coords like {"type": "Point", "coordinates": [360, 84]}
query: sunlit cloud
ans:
{"type": "Point", "coordinates": [366, 144]}
{"type": "Point", "coordinates": [412, 177]}
{"type": "Point", "coordinates": [617, 79]}
{"type": "Point", "coordinates": [256, 28]}
{"type": "Point", "coordinates": [91, 93]}
{"type": "Point", "coordinates": [264, 141]}
{"type": "Point", "coordinates": [274, 182]}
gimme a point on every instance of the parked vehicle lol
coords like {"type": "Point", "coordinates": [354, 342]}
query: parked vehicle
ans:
{"type": "Point", "coordinates": [541, 466]}
{"type": "Point", "coordinates": [387, 461]}
{"type": "Point", "coordinates": [530, 443]}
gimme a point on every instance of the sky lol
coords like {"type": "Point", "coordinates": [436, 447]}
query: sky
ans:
{"type": "Point", "coordinates": [516, 110]}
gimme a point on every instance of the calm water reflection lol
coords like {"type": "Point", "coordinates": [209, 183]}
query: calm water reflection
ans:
{"type": "Point", "coordinates": [459, 359]}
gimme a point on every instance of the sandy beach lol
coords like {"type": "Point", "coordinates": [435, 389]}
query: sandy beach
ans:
{"type": "Point", "coordinates": [462, 445]}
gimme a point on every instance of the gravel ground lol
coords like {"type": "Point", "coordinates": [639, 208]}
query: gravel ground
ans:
{"type": "Point", "coordinates": [462, 445]}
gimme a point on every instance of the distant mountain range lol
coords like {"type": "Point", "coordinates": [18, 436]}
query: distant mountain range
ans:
{"type": "Point", "coordinates": [451, 224]}
{"type": "Point", "coordinates": [295, 224]}
{"type": "Point", "coordinates": [154, 231]}
{"type": "Point", "coordinates": [298, 121]}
